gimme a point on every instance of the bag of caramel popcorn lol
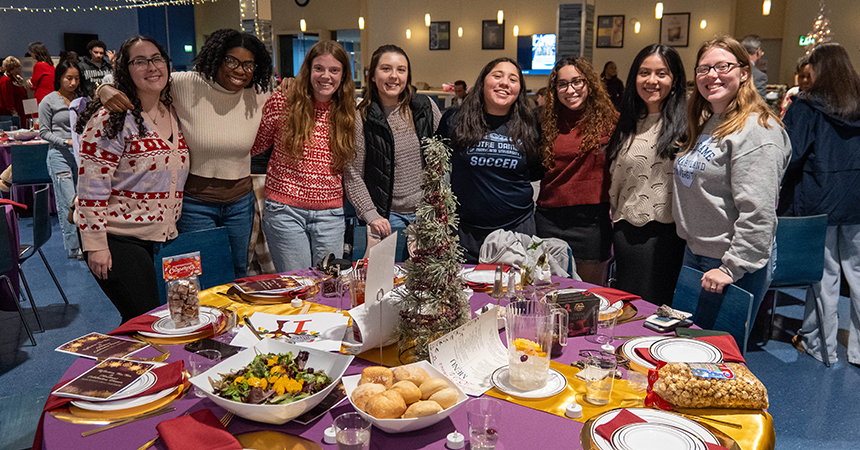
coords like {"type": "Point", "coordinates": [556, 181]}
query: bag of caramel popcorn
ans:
{"type": "Point", "coordinates": [180, 274]}
{"type": "Point", "coordinates": [699, 385]}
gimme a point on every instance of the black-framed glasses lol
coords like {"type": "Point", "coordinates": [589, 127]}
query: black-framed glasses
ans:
{"type": "Point", "coordinates": [143, 63]}
{"type": "Point", "coordinates": [232, 63]}
{"type": "Point", "coordinates": [720, 68]}
{"type": "Point", "coordinates": [577, 83]}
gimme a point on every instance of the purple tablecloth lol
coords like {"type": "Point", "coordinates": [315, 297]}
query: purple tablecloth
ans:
{"type": "Point", "coordinates": [520, 428]}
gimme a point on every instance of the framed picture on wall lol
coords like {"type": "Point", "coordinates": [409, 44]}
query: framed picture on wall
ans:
{"type": "Point", "coordinates": [440, 35]}
{"type": "Point", "coordinates": [675, 29]}
{"type": "Point", "coordinates": [610, 31]}
{"type": "Point", "coordinates": [492, 35]}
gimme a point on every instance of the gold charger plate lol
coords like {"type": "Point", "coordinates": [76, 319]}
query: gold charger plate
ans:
{"type": "Point", "coordinates": [275, 440]}
{"type": "Point", "coordinates": [73, 414]}
{"type": "Point", "coordinates": [254, 300]}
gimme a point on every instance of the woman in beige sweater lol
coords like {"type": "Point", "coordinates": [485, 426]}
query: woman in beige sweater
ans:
{"type": "Point", "coordinates": [219, 106]}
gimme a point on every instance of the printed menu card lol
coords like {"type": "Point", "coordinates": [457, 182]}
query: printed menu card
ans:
{"type": "Point", "coordinates": [101, 346]}
{"type": "Point", "coordinates": [469, 355]}
{"type": "Point", "coordinates": [105, 380]}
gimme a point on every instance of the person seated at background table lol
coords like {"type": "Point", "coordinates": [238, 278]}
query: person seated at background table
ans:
{"type": "Point", "coordinates": [823, 123]}
{"type": "Point", "coordinates": [42, 81]}
{"type": "Point", "coordinates": [55, 127]}
{"type": "Point", "coordinates": [313, 129]}
{"type": "Point", "coordinates": [803, 81]}
{"type": "Point", "coordinates": [573, 201]}
{"type": "Point", "coordinates": [219, 105]}
{"type": "Point", "coordinates": [640, 155]}
{"type": "Point", "coordinates": [614, 86]}
{"type": "Point", "coordinates": [133, 166]}
{"type": "Point", "coordinates": [460, 91]}
{"type": "Point", "coordinates": [496, 156]}
{"type": "Point", "coordinates": [728, 172]}
{"type": "Point", "coordinates": [384, 180]}
{"type": "Point", "coordinates": [13, 90]}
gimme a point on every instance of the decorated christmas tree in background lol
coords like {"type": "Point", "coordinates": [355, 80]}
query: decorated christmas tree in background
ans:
{"type": "Point", "coordinates": [434, 303]}
{"type": "Point", "coordinates": [821, 31]}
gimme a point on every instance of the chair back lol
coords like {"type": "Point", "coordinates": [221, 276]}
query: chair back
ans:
{"type": "Point", "coordinates": [6, 125]}
{"type": "Point", "coordinates": [30, 164]}
{"type": "Point", "coordinates": [359, 243]}
{"type": "Point", "coordinates": [216, 257]}
{"type": "Point", "coordinates": [799, 250]}
{"type": "Point", "coordinates": [730, 311]}
{"type": "Point", "coordinates": [16, 121]}
{"type": "Point", "coordinates": [8, 258]}
{"type": "Point", "coordinates": [41, 221]}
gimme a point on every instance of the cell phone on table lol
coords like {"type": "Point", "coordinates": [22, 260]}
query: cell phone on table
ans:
{"type": "Point", "coordinates": [211, 344]}
{"type": "Point", "coordinates": [670, 325]}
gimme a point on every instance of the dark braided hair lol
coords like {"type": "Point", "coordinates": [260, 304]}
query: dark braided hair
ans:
{"type": "Point", "coordinates": [211, 56]}
{"type": "Point", "coordinates": [124, 83]}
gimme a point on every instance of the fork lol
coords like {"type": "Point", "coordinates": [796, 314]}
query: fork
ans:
{"type": "Point", "coordinates": [225, 420]}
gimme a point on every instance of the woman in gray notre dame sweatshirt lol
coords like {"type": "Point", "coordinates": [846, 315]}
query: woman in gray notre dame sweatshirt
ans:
{"type": "Point", "coordinates": [727, 178]}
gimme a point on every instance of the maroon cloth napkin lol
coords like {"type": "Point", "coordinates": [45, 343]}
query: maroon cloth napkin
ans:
{"type": "Point", "coordinates": [645, 354]}
{"type": "Point", "coordinates": [726, 343]}
{"type": "Point", "coordinates": [492, 267]}
{"type": "Point", "coordinates": [624, 417]}
{"type": "Point", "coordinates": [613, 295]}
{"type": "Point", "coordinates": [715, 446]}
{"type": "Point", "coordinates": [199, 430]}
{"type": "Point", "coordinates": [166, 376]}
{"type": "Point", "coordinates": [140, 323]}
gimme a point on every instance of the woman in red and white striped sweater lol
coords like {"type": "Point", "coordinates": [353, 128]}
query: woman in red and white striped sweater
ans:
{"type": "Point", "coordinates": [313, 129]}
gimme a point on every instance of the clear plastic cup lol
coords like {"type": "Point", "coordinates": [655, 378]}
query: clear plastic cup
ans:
{"type": "Point", "coordinates": [352, 432]}
{"type": "Point", "coordinates": [599, 374]}
{"type": "Point", "coordinates": [201, 361]}
{"type": "Point", "coordinates": [483, 414]}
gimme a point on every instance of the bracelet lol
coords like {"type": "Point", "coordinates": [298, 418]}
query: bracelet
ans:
{"type": "Point", "coordinates": [96, 93]}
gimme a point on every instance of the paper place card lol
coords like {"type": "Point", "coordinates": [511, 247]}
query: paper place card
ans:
{"type": "Point", "coordinates": [105, 380]}
{"type": "Point", "coordinates": [101, 346]}
{"type": "Point", "coordinates": [469, 355]}
{"type": "Point", "coordinates": [380, 269]}
{"type": "Point", "coordinates": [322, 331]}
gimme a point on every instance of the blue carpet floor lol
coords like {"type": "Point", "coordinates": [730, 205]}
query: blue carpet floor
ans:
{"type": "Point", "coordinates": [812, 406]}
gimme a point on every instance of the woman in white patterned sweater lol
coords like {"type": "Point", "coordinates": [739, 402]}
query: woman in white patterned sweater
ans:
{"type": "Point", "coordinates": [313, 129]}
{"type": "Point", "coordinates": [133, 167]}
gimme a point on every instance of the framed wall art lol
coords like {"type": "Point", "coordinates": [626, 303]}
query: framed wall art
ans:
{"type": "Point", "coordinates": [610, 31]}
{"type": "Point", "coordinates": [675, 29]}
{"type": "Point", "coordinates": [492, 35]}
{"type": "Point", "coordinates": [440, 35]}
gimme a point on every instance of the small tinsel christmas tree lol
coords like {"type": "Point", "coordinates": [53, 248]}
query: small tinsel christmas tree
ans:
{"type": "Point", "coordinates": [821, 31]}
{"type": "Point", "coordinates": [434, 303]}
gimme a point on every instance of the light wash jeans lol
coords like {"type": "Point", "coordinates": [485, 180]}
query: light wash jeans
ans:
{"type": "Point", "coordinates": [64, 174]}
{"type": "Point", "coordinates": [300, 238]}
{"type": "Point", "coordinates": [400, 220]}
{"type": "Point", "coordinates": [237, 217]}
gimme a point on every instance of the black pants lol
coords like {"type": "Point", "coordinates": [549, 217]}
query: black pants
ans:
{"type": "Point", "coordinates": [648, 260]}
{"type": "Point", "coordinates": [471, 238]}
{"type": "Point", "coordinates": [132, 283]}
{"type": "Point", "coordinates": [586, 228]}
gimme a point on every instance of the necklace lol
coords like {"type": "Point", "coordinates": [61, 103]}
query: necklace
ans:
{"type": "Point", "coordinates": [155, 119]}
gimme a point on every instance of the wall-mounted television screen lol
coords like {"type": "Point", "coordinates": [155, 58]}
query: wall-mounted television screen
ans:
{"type": "Point", "coordinates": [536, 53]}
{"type": "Point", "coordinates": [77, 42]}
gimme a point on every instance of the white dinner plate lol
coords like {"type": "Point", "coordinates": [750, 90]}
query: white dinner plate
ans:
{"type": "Point", "coordinates": [655, 436]}
{"type": "Point", "coordinates": [214, 313]}
{"type": "Point", "coordinates": [487, 276]}
{"type": "Point", "coordinates": [628, 349]}
{"type": "Point", "coordinates": [139, 385]}
{"type": "Point", "coordinates": [653, 416]}
{"type": "Point", "coordinates": [166, 325]}
{"type": "Point", "coordinates": [555, 383]}
{"type": "Point", "coordinates": [113, 405]}
{"type": "Point", "coordinates": [684, 350]}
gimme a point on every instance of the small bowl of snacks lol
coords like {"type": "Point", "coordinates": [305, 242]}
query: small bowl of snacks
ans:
{"type": "Point", "coordinates": [272, 382]}
{"type": "Point", "coordinates": [403, 398]}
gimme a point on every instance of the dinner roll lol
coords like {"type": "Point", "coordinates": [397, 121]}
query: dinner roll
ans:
{"type": "Point", "coordinates": [364, 392]}
{"type": "Point", "coordinates": [421, 409]}
{"type": "Point", "coordinates": [408, 391]}
{"type": "Point", "coordinates": [377, 374]}
{"type": "Point", "coordinates": [386, 405]}
{"type": "Point", "coordinates": [432, 386]}
{"type": "Point", "coordinates": [446, 398]}
{"type": "Point", "coordinates": [414, 374]}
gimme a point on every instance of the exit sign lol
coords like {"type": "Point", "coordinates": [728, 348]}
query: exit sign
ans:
{"type": "Point", "coordinates": [806, 40]}
{"type": "Point", "coordinates": [189, 48]}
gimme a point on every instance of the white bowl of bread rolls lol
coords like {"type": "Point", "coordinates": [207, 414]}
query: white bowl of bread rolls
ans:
{"type": "Point", "coordinates": [403, 398]}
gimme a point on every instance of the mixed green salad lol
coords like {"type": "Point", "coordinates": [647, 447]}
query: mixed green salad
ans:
{"type": "Point", "coordinates": [272, 379]}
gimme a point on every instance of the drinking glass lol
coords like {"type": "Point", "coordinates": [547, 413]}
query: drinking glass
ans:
{"type": "Point", "coordinates": [599, 374]}
{"type": "Point", "coordinates": [352, 432]}
{"type": "Point", "coordinates": [201, 361]}
{"type": "Point", "coordinates": [605, 327]}
{"type": "Point", "coordinates": [483, 414]}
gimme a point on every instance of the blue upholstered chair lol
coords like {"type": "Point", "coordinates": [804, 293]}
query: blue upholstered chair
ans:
{"type": "Point", "coordinates": [29, 167]}
{"type": "Point", "coordinates": [7, 263]}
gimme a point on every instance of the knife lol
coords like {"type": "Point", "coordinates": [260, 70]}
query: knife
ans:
{"type": "Point", "coordinates": [252, 327]}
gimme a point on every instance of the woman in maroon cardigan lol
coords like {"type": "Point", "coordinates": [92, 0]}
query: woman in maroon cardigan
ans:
{"type": "Point", "coordinates": [573, 204]}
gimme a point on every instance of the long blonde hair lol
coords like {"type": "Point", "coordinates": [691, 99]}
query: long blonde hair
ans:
{"type": "Point", "coordinates": [746, 102]}
{"type": "Point", "coordinates": [298, 118]}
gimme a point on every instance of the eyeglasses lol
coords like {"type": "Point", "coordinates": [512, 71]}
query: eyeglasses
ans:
{"type": "Point", "coordinates": [577, 83]}
{"type": "Point", "coordinates": [143, 63]}
{"type": "Point", "coordinates": [720, 68]}
{"type": "Point", "coordinates": [232, 63]}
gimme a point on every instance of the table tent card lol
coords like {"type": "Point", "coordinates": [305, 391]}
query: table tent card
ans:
{"type": "Point", "coordinates": [105, 381]}
{"type": "Point", "coordinates": [101, 346]}
{"type": "Point", "coordinates": [322, 331]}
{"type": "Point", "coordinates": [380, 268]}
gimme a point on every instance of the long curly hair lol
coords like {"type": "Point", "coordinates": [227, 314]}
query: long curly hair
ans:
{"type": "Point", "coordinates": [472, 124]}
{"type": "Point", "coordinates": [598, 118]}
{"type": "Point", "coordinates": [746, 102]}
{"type": "Point", "coordinates": [371, 91]}
{"type": "Point", "coordinates": [40, 53]}
{"type": "Point", "coordinates": [673, 109]}
{"type": "Point", "coordinates": [211, 56]}
{"type": "Point", "coordinates": [124, 83]}
{"type": "Point", "coordinates": [297, 126]}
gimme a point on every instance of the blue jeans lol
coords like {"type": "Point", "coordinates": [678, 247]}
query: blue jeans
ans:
{"type": "Point", "coordinates": [756, 283]}
{"type": "Point", "coordinates": [300, 238]}
{"type": "Point", "coordinates": [64, 174]}
{"type": "Point", "coordinates": [237, 217]}
{"type": "Point", "coordinates": [400, 220]}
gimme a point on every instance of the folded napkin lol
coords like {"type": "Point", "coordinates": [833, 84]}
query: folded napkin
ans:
{"type": "Point", "coordinates": [505, 268]}
{"type": "Point", "coordinates": [140, 323]}
{"type": "Point", "coordinates": [694, 333]}
{"type": "Point", "coordinates": [726, 344]}
{"type": "Point", "coordinates": [624, 417]}
{"type": "Point", "coordinates": [199, 430]}
{"type": "Point", "coordinates": [613, 295]}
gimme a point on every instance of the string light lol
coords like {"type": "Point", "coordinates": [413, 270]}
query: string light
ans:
{"type": "Point", "coordinates": [131, 5]}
